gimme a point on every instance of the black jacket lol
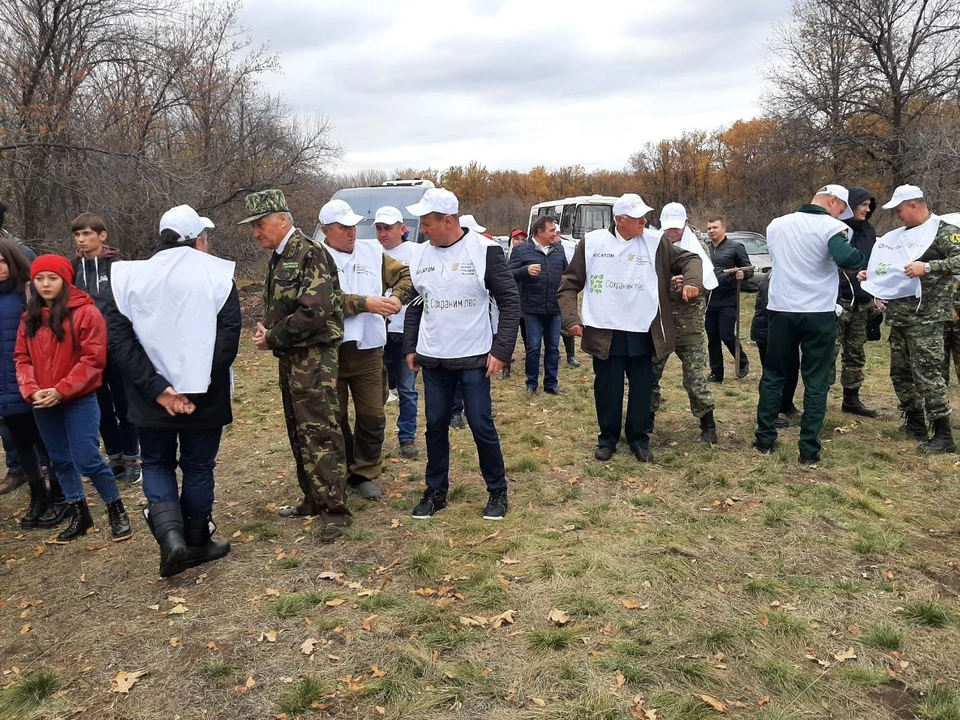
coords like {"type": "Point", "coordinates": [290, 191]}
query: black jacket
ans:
{"type": "Point", "coordinates": [538, 293]}
{"type": "Point", "coordinates": [728, 254]}
{"type": "Point", "coordinates": [758, 328]}
{"type": "Point", "coordinates": [501, 285]}
{"type": "Point", "coordinates": [144, 384]}
{"type": "Point", "coordinates": [92, 275]}
{"type": "Point", "coordinates": [864, 238]}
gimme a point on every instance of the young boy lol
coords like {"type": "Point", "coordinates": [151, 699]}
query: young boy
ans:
{"type": "Point", "coordinates": [91, 273]}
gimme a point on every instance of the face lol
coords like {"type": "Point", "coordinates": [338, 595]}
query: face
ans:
{"type": "Point", "coordinates": [911, 213]}
{"type": "Point", "coordinates": [716, 230]}
{"type": "Point", "coordinates": [517, 239]}
{"type": "Point", "coordinates": [340, 237]}
{"type": "Point", "coordinates": [4, 269]}
{"type": "Point", "coordinates": [270, 230]}
{"type": "Point", "coordinates": [674, 234]}
{"type": "Point", "coordinates": [390, 235]}
{"type": "Point", "coordinates": [89, 242]}
{"type": "Point", "coordinates": [861, 211]}
{"type": "Point", "coordinates": [630, 227]}
{"type": "Point", "coordinates": [440, 229]}
{"type": "Point", "coordinates": [48, 285]}
{"type": "Point", "coordinates": [548, 235]}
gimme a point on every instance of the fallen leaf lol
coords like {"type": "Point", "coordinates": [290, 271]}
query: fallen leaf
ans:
{"type": "Point", "coordinates": [174, 642]}
{"type": "Point", "coordinates": [328, 575]}
{"type": "Point", "coordinates": [308, 646]}
{"type": "Point", "coordinates": [177, 610]}
{"type": "Point", "coordinates": [848, 654]}
{"type": "Point", "coordinates": [621, 680]}
{"type": "Point", "coordinates": [717, 706]}
{"type": "Point", "coordinates": [25, 628]}
{"type": "Point", "coordinates": [503, 618]}
{"type": "Point", "coordinates": [558, 617]}
{"type": "Point", "coordinates": [377, 672]}
{"type": "Point", "coordinates": [123, 681]}
{"type": "Point", "coordinates": [634, 604]}
{"type": "Point", "coordinates": [381, 710]}
{"type": "Point", "coordinates": [473, 621]}
{"type": "Point", "coordinates": [176, 599]}
{"type": "Point", "coordinates": [39, 550]}
{"type": "Point", "coordinates": [269, 636]}
{"type": "Point", "coordinates": [336, 602]}
{"type": "Point", "coordinates": [395, 523]}
{"type": "Point", "coordinates": [153, 607]}
{"type": "Point", "coordinates": [765, 621]}
{"type": "Point", "coordinates": [763, 701]}
{"type": "Point", "coordinates": [539, 702]}
{"type": "Point", "coordinates": [211, 645]}
{"type": "Point", "coordinates": [272, 591]}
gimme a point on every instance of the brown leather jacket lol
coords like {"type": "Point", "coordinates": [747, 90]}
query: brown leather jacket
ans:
{"type": "Point", "coordinates": [670, 261]}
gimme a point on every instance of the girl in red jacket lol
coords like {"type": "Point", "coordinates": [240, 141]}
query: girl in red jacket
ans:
{"type": "Point", "coordinates": [60, 355]}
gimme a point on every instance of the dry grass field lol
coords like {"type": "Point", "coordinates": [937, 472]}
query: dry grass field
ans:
{"type": "Point", "coordinates": [715, 582]}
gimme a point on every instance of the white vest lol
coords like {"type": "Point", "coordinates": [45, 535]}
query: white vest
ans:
{"type": "Point", "coordinates": [891, 253]}
{"type": "Point", "coordinates": [806, 274]}
{"type": "Point", "coordinates": [173, 300]}
{"type": "Point", "coordinates": [568, 247]}
{"type": "Point", "coordinates": [621, 290]}
{"type": "Point", "coordinates": [361, 273]}
{"type": "Point", "coordinates": [456, 305]}
{"type": "Point", "coordinates": [402, 254]}
{"type": "Point", "coordinates": [691, 243]}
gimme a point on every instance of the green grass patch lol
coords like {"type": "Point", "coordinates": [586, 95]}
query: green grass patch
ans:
{"type": "Point", "coordinates": [885, 637]}
{"type": "Point", "coordinates": [424, 563]}
{"type": "Point", "coordinates": [29, 694]}
{"type": "Point", "coordinates": [260, 531]}
{"type": "Point", "coordinates": [762, 586]}
{"type": "Point", "coordinates": [941, 703]}
{"type": "Point", "coordinates": [288, 606]}
{"type": "Point", "coordinates": [781, 677]}
{"type": "Point", "coordinates": [289, 563]}
{"type": "Point", "coordinates": [552, 638]}
{"type": "Point", "coordinates": [785, 625]}
{"type": "Point", "coordinates": [301, 695]}
{"type": "Point", "coordinates": [379, 602]}
{"type": "Point", "coordinates": [929, 613]}
{"type": "Point", "coordinates": [525, 464]}
{"type": "Point", "coordinates": [216, 667]}
{"type": "Point", "coordinates": [877, 541]}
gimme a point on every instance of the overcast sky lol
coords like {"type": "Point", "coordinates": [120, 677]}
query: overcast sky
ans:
{"type": "Point", "coordinates": [515, 83]}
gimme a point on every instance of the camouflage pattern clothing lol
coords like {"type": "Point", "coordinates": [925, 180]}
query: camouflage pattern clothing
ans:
{"type": "Point", "coordinates": [917, 330]}
{"type": "Point", "coordinates": [688, 328]}
{"type": "Point", "coordinates": [951, 338]}
{"type": "Point", "coordinates": [304, 320]}
{"type": "Point", "coordinates": [851, 340]}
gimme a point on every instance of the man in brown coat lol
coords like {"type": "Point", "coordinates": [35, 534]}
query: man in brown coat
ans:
{"type": "Point", "coordinates": [625, 273]}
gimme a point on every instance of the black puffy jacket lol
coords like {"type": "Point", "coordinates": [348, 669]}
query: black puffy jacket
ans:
{"type": "Point", "coordinates": [538, 293]}
{"type": "Point", "coordinates": [864, 238]}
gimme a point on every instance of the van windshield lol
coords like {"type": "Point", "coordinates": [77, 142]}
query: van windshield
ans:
{"type": "Point", "coordinates": [590, 218]}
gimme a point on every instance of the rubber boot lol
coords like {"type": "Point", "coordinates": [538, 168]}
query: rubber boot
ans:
{"type": "Point", "coordinates": [79, 522]}
{"type": "Point", "coordinates": [57, 511]}
{"type": "Point", "coordinates": [202, 548]}
{"type": "Point", "coordinates": [853, 405]}
{"type": "Point", "coordinates": [942, 440]}
{"type": "Point", "coordinates": [916, 425]}
{"type": "Point", "coordinates": [165, 521]}
{"type": "Point", "coordinates": [708, 429]}
{"type": "Point", "coordinates": [39, 502]}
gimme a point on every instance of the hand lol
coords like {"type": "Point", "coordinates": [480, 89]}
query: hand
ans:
{"type": "Point", "coordinates": [576, 330]}
{"type": "Point", "coordinates": [879, 304]}
{"type": "Point", "coordinates": [690, 293]}
{"type": "Point", "coordinates": [175, 403]}
{"type": "Point", "coordinates": [862, 276]}
{"type": "Point", "coordinates": [260, 337]}
{"type": "Point", "coordinates": [677, 281]}
{"type": "Point", "coordinates": [412, 362]}
{"type": "Point", "coordinates": [384, 306]}
{"type": "Point", "coordinates": [739, 275]}
{"type": "Point", "coordinates": [915, 270]}
{"type": "Point", "coordinates": [494, 365]}
{"type": "Point", "coordinates": [534, 270]}
{"type": "Point", "coordinates": [46, 398]}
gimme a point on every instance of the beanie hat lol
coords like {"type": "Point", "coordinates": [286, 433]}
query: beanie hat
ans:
{"type": "Point", "coordinates": [53, 263]}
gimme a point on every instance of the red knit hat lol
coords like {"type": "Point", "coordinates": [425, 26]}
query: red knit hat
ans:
{"type": "Point", "coordinates": [55, 264]}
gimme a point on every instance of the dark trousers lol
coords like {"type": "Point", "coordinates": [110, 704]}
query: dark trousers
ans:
{"type": "Point", "coordinates": [439, 386]}
{"type": "Point", "coordinates": [197, 459]}
{"type": "Point", "coordinates": [608, 387]}
{"type": "Point", "coordinates": [721, 327]}
{"type": "Point", "coordinates": [25, 441]}
{"type": "Point", "coordinates": [119, 436]}
{"type": "Point", "coordinates": [569, 345]}
{"type": "Point", "coordinates": [542, 330]}
{"type": "Point", "coordinates": [790, 383]}
{"type": "Point", "coordinates": [360, 378]}
{"type": "Point", "coordinates": [457, 400]}
{"type": "Point", "coordinates": [11, 456]}
{"type": "Point", "coordinates": [813, 336]}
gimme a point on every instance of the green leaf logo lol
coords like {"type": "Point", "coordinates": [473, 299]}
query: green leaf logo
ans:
{"type": "Point", "coordinates": [596, 284]}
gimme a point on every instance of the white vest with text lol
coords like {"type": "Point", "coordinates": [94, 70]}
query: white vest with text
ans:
{"type": "Point", "coordinates": [361, 273]}
{"type": "Point", "coordinates": [402, 254]}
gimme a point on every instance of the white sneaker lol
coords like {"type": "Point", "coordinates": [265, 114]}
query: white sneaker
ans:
{"type": "Point", "coordinates": [392, 397]}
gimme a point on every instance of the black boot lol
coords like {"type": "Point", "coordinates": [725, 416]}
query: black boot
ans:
{"type": "Point", "coordinates": [201, 548]}
{"type": "Point", "coordinates": [942, 440]}
{"type": "Point", "coordinates": [57, 510]}
{"type": "Point", "coordinates": [915, 425]}
{"type": "Point", "coordinates": [708, 429]}
{"type": "Point", "coordinates": [39, 502]}
{"type": "Point", "coordinates": [78, 516]}
{"type": "Point", "coordinates": [166, 523]}
{"type": "Point", "coordinates": [853, 405]}
{"type": "Point", "coordinates": [119, 521]}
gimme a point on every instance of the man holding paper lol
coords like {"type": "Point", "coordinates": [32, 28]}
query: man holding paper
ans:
{"type": "Point", "coordinates": [911, 274]}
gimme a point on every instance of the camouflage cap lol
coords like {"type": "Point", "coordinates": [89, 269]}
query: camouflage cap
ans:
{"type": "Point", "coordinates": [263, 203]}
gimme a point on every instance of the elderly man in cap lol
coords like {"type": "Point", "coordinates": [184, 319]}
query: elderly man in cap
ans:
{"type": "Point", "coordinates": [366, 273]}
{"type": "Point", "coordinates": [687, 317]}
{"type": "Point", "coordinates": [391, 231]}
{"type": "Point", "coordinates": [450, 334]}
{"type": "Point", "coordinates": [807, 248]}
{"type": "Point", "coordinates": [625, 273]}
{"type": "Point", "coordinates": [303, 324]}
{"type": "Point", "coordinates": [911, 274]}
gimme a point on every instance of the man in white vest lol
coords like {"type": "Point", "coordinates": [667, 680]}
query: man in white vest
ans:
{"type": "Point", "coordinates": [449, 332]}
{"type": "Point", "coordinates": [806, 249]}
{"type": "Point", "coordinates": [390, 228]}
{"type": "Point", "coordinates": [625, 274]}
{"type": "Point", "coordinates": [366, 273]}
{"type": "Point", "coordinates": [911, 274]}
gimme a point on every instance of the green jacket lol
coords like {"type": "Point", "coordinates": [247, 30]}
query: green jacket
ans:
{"type": "Point", "coordinates": [936, 288]}
{"type": "Point", "coordinates": [303, 305]}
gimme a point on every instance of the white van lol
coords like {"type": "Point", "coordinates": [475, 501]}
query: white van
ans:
{"type": "Point", "coordinates": [576, 216]}
{"type": "Point", "coordinates": [367, 200]}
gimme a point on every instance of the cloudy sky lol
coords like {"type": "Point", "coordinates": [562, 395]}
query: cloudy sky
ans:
{"type": "Point", "coordinates": [515, 83]}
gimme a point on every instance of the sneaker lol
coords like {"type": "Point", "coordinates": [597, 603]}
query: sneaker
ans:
{"type": "Point", "coordinates": [554, 391]}
{"type": "Point", "coordinates": [714, 378]}
{"type": "Point", "coordinates": [433, 501]}
{"type": "Point", "coordinates": [392, 397]}
{"type": "Point", "coordinates": [408, 451]}
{"type": "Point", "coordinates": [132, 472]}
{"type": "Point", "coordinates": [603, 453]}
{"type": "Point", "coordinates": [497, 506]}
{"type": "Point", "coordinates": [11, 482]}
{"type": "Point", "coordinates": [456, 421]}
{"type": "Point", "coordinates": [572, 362]}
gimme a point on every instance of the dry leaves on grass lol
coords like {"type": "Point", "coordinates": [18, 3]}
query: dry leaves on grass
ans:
{"type": "Point", "coordinates": [248, 685]}
{"type": "Point", "coordinates": [558, 617]}
{"type": "Point", "coordinates": [123, 681]}
{"type": "Point", "coordinates": [631, 604]}
{"type": "Point", "coordinates": [269, 636]}
{"type": "Point", "coordinates": [717, 706]}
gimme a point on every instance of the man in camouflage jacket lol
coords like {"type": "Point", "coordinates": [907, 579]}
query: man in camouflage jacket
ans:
{"type": "Point", "coordinates": [302, 325]}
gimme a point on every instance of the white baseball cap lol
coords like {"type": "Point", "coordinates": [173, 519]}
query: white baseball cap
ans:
{"type": "Point", "coordinates": [673, 217]}
{"type": "Point", "coordinates": [841, 193]}
{"type": "Point", "coordinates": [339, 211]}
{"type": "Point", "coordinates": [436, 200]}
{"type": "Point", "coordinates": [631, 205]}
{"type": "Point", "coordinates": [902, 194]}
{"type": "Point", "coordinates": [185, 221]}
{"type": "Point", "coordinates": [387, 215]}
{"type": "Point", "coordinates": [470, 223]}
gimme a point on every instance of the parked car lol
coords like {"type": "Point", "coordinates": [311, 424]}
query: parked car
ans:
{"type": "Point", "coordinates": [759, 252]}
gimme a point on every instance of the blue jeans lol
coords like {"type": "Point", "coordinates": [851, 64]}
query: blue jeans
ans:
{"type": "Point", "coordinates": [439, 385]}
{"type": "Point", "coordinates": [545, 330]}
{"type": "Point", "coordinates": [70, 432]}
{"type": "Point", "coordinates": [11, 455]}
{"type": "Point", "coordinates": [406, 384]}
{"type": "Point", "coordinates": [198, 458]}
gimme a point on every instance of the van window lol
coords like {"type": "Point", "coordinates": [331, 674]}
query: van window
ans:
{"type": "Point", "coordinates": [590, 218]}
{"type": "Point", "coordinates": [566, 220]}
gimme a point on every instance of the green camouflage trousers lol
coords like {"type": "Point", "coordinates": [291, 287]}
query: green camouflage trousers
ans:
{"type": "Point", "coordinates": [308, 384]}
{"type": "Point", "coordinates": [851, 339]}
{"type": "Point", "coordinates": [693, 358]}
{"type": "Point", "coordinates": [951, 342]}
{"type": "Point", "coordinates": [916, 369]}
{"type": "Point", "coordinates": [361, 376]}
